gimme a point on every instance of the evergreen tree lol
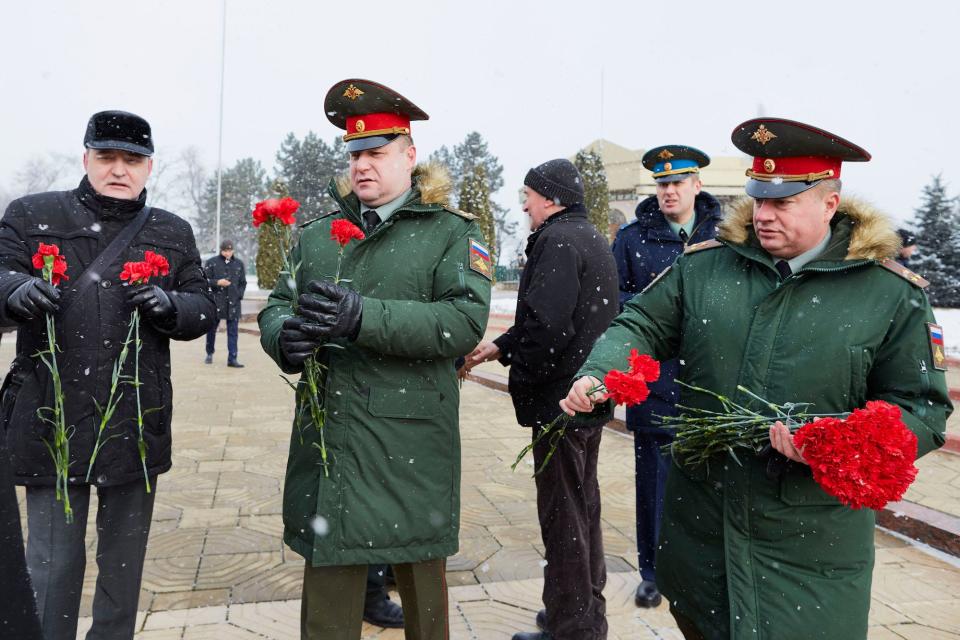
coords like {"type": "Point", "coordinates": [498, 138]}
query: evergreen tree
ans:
{"type": "Point", "coordinates": [306, 167]}
{"type": "Point", "coordinates": [474, 197]}
{"type": "Point", "coordinates": [462, 163]}
{"type": "Point", "coordinates": [269, 260]}
{"type": "Point", "coordinates": [937, 221]}
{"type": "Point", "coordinates": [595, 191]}
{"type": "Point", "coordinates": [244, 184]}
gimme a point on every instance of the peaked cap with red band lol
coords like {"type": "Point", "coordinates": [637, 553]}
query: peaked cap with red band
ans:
{"type": "Point", "coordinates": [790, 157]}
{"type": "Point", "coordinates": [371, 113]}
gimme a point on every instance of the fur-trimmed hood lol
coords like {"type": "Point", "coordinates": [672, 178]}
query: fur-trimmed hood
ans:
{"type": "Point", "coordinates": [872, 235]}
{"type": "Point", "coordinates": [430, 178]}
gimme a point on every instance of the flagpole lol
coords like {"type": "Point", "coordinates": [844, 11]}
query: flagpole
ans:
{"type": "Point", "coordinates": [223, 59]}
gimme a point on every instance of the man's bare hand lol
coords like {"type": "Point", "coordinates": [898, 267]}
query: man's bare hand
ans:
{"type": "Point", "coordinates": [484, 352]}
{"type": "Point", "coordinates": [782, 440]}
{"type": "Point", "coordinates": [223, 282]}
{"type": "Point", "coordinates": [578, 400]}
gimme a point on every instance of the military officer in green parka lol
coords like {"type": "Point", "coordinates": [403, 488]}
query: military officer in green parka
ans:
{"type": "Point", "coordinates": [798, 299]}
{"type": "Point", "coordinates": [414, 296]}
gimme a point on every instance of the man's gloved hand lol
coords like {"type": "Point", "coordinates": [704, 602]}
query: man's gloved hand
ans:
{"type": "Point", "coordinates": [299, 339]}
{"type": "Point", "coordinates": [32, 299]}
{"type": "Point", "coordinates": [335, 309]}
{"type": "Point", "coordinates": [153, 301]}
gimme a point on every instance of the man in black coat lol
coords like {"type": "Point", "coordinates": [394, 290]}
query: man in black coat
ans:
{"type": "Point", "coordinates": [567, 298]}
{"type": "Point", "coordinates": [228, 280]}
{"type": "Point", "coordinates": [97, 227]}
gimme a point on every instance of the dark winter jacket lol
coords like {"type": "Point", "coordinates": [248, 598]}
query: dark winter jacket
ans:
{"type": "Point", "coordinates": [92, 333]}
{"type": "Point", "coordinates": [567, 298]}
{"type": "Point", "coordinates": [747, 556]}
{"type": "Point", "coordinates": [227, 298]}
{"type": "Point", "coordinates": [644, 248]}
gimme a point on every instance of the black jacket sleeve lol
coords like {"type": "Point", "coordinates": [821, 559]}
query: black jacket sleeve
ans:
{"type": "Point", "coordinates": [196, 311]}
{"type": "Point", "coordinates": [15, 258]}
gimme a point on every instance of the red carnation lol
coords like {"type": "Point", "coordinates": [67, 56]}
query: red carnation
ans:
{"type": "Point", "coordinates": [630, 387]}
{"type": "Point", "coordinates": [159, 265]}
{"type": "Point", "coordinates": [48, 257]}
{"type": "Point", "coordinates": [281, 210]}
{"type": "Point", "coordinates": [136, 272]}
{"type": "Point", "coordinates": [343, 231]}
{"type": "Point", "coordinates": [864, 460]}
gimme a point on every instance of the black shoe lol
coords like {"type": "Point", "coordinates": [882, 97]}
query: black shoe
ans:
{"type": "Point", "coordinates": [383, 612]}
{"type": "Point", "coordinates": [235, 364]}
{"type": "Point", "coordinates": [208, 359]}
{"type": "Point", "coordinates": [648, 596]}
{"type": "Point", "coordinates": [532, 635]}
{"type": "Point", "coordinates": [542, 619]}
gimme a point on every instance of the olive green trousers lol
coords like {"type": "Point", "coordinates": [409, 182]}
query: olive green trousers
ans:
{"type": "Point", "coordinates": [331, 606]}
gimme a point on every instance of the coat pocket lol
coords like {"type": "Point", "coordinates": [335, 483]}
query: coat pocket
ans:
{"type": "Point", "coordinates": [859, 358]}
{"type": "Point", "coordinates": [406, 404]}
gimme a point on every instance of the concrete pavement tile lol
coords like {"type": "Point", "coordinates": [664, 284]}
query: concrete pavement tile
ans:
{"type": "Point", "coordinates": [511, 564]}
{"type": "Point", "coordinates": [229, 540]}
{"type": "Point", "coordinates": [883, 614]}
{"type": "Point", "coordinates": [461, 578]}
{"type": "Point", "coordinates": [203, 480]}
{"type": "Point", "coordinates": [158, 634]}
{"type": "Point", "coordinates": [175, 542]}
{"type": "Point", "coordinates": [184, 500]}
{"type": "Point", "coordinates": [283, 582]}
{"type": "Point", "coordinates": [882, 633]}
{"type": "Point", "coordinates": [165, 575]}
{"type": "Point", "coordinates": [180, 618]}
{"type": "Point", "coordinates": [193, 517]}
{"type": "Point", "coordinates": [219, 572]}
{"type": "Point", "coordinates": [190, 599]}
{"type": "Point", "coordinates": [223, 631]}
{"type": "Point", "coordinates": [525, 594]}
{"type": "Point", "coordinates": [921, 632]}
{"type": "Point", "coordinates": [220, 465]}
{"type": "Point", "coordinates": [496, 619]}
{"type": "Point", "coordinates": [274, 620]}
{"type": "Point", "coordinates": [943, 615]}
{"type": "Point", "coordinates": [473, 552]}
{"type": "Point", "coordinates": [468, 593]}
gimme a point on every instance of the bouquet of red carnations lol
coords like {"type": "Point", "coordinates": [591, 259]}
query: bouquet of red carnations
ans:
{"type": "Point", "coordinates": [623, 387]}
{"type": "Point", "coordinates": [863, 458]}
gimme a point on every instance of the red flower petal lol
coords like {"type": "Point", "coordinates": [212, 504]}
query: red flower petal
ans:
{"type": "Point", "coordinates": [343, 231]}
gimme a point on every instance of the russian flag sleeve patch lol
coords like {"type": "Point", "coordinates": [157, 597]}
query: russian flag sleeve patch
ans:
{"type": "Point", "coordinates": [478, 256]}
{"type": "Point", "coordinates": [935, 332]}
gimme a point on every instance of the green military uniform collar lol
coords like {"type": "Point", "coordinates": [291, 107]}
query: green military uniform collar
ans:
{"type": "Point", "coordinates": [686, 226]}
{"type": "Point", "coordinates": [388, 209]}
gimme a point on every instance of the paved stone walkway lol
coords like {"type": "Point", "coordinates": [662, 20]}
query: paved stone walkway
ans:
{"type": "Point", "coordinates": [216, 568]}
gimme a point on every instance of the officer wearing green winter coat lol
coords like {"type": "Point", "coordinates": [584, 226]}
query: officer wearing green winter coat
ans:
{"type": "Point", "coordinates": [414, 297]}
{"type": "Point", "coordinates": [798, 299]}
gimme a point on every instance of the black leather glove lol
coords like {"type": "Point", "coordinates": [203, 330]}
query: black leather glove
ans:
{"type": "Point", "coordinates": [777, 463]}
{"type": "Point", "coordinates": [153, 301]}
{"type": "Point", "coordinates": [335, 309]}
{"type": "Point", "coordinates": [299, 339]}
{"type": "Point", "coordinates": [32, 299]}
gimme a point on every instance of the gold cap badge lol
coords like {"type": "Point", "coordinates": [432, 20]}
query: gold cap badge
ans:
{"type": "Point", "coordinates": [352, 92]}
{"type": "Point", "coordinates": [360, 126]}
{"type": "Point", "coordinates": [667, 166]}
{"type": "Point", "coordinates": [769, 165]}
{"type": "Point", "coordinates": [665, 155]}
{"type": "Point", "coordinates": [763, 135]}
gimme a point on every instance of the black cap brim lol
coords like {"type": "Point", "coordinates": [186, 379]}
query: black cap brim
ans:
{"type": "Point", "coordinates": [761, 189]}
{"type": "Point", "coordinates": [677, 177]}
{"type": "Point", "coordinates": [371, 142]}
{"type": "Point", "coordinates": [121, 146]}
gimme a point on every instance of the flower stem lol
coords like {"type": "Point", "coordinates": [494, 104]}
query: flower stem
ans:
{"type": "Point", "coordinates": [113, 400]}
{"type": "Point", "coordinates": [61, 439]}
{"type": "Point", "coordinates": [141, 443]}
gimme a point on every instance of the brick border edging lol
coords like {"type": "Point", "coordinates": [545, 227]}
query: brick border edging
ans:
{"type": "Point", "coordinates": [935, 528]}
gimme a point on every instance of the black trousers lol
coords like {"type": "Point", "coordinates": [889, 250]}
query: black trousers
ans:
{"type": "Point", "coordinates": [652, 468]}
{"type": "Point", "coordinates": [568, 505]}
{"type": "Point", "coordinates": [18, 610]}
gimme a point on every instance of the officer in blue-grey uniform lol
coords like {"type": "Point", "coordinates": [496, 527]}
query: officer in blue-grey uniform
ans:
{"type": "Point", "coordinates": [680, 214]}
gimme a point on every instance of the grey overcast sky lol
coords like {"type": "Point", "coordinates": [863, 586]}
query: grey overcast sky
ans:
{"type": "Point", "coordinates": [526, 75]}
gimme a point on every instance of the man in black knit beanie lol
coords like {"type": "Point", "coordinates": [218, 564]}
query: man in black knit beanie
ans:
{"type": "Point", "coordinates": [567, 297]}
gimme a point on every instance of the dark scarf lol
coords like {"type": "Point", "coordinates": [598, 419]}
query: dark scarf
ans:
{"type": "Point", "coordinates": [107, 207]}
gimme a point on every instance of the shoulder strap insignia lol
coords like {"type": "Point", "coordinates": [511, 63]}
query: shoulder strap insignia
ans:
{"type": "Point", "coordinates": [322, 217]}
{"type": "Point", "coordinates": [893, 266]}
{"type": "Point", "coordinates": [702, 246]}
{"type": "Point", "coordinates": [459, 212]}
